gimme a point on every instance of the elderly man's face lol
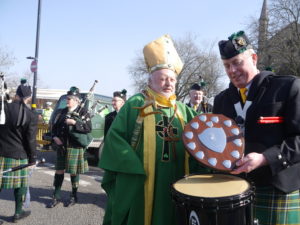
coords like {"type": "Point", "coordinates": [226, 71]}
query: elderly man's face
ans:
{"type": "Point", "coordinates": [72, 101]}
{"type": "Point", "coordinates": [241, 69]}
{"type": "Point", "coordinates": [117, 103]}
{"type": "Point", "coordinates": [163, 82]}
{"type": "Point", "coordinates": [196, 97]}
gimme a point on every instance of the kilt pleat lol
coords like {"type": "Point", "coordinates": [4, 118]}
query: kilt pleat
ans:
{"type": "Point", "coordinates": [273, 207]}
{"type": "Point", "coordinates": [15, 179]}
{"type": "Point", "coordinates": [73, 161]}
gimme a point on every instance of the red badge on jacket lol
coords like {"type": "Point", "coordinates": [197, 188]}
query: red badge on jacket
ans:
{"type": "Point", "coordinates": [270, 119]}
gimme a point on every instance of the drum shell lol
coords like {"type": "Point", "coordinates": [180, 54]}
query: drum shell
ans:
{"type": "Point", "coordinates": [230, 210]}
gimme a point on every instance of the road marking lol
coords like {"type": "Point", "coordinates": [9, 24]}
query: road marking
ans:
{"type": "Point", "coordinates": [47, 169]}
{"type": "Point", "coordinates": [98, 178]}
{"type": "Point", "coordinates": [51, 173]}
{"type": "Point", "coordinates": [48, 164]}
{"type": "Point", "coordinates": [81, 182]}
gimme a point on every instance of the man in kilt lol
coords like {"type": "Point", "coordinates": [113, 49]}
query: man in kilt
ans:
{"type": "Point", "coordinates": [17, 146]}
{"type": "Point", "coordinates": [71, 125]}
{"type": "Point", "coordinates": [267, 107]}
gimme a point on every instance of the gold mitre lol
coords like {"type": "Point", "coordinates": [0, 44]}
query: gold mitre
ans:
{"type": "Point", "coordinates": [161, 54]}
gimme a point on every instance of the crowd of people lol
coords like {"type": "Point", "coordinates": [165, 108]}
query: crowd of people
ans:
{"type": "Point", "coordinates": [143, 152]}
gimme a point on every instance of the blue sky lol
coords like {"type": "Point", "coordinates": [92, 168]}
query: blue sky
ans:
{"type": "Point", "coordinates": [85, 40]}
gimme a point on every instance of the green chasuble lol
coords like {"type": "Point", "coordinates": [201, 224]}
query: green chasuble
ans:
{"type": "Point", "coordinates": [125, 176]}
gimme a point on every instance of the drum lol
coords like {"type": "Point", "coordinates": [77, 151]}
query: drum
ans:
{"type": "Point", "coordinates": [213, 199]}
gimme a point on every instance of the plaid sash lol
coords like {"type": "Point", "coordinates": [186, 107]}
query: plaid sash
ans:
{"type": "Point", "coordinates": [273, 207]}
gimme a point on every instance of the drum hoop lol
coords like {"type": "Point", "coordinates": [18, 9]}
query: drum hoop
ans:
{"type": "Point", "coordinates": [218, 203]}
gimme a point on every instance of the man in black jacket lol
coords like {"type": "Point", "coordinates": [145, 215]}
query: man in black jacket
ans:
{"type": "Point", "coordinates": [198, 101]}
{"type": "Point", "coordinates": [267, 107]}
{"type": "Point", "coordinates": [70, 123]}
{"type": "Point", "coordinates": [119, 98]}
{"type": "Point", "coordinates": [17, 146]}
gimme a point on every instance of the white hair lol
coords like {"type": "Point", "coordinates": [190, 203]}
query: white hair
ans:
{"type": "Point", "coordinates": [249, 52]}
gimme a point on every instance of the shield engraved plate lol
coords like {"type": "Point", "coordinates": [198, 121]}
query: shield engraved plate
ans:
{"type": "Point", "coordinates": [214, 140]}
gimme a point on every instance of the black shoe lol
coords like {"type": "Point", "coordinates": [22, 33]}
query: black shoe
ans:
{"type": "Point", "coordinates": [53, 203]}
{"type": "Point", "coordinates": [1, 222]}
{"type": "Point", "coordinates": [22, 215]}
{"type": "Point", "coordinates": [73, 200]}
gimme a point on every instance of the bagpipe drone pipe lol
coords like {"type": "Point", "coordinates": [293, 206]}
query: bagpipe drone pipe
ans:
{"type": "Point", "coordinates": [76, 115]}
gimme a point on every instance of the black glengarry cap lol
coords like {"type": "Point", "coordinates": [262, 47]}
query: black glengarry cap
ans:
{"type": "Point", "coordinates": [23, 90]}
{"type": "Point", "coordinates": [196, 87]}
{"type": "Point", "coordinates": [236, 44]}
{"type": "Point", "coordinates": [74, 91]}
{"type": "Point", "coordinates": [120, 94]}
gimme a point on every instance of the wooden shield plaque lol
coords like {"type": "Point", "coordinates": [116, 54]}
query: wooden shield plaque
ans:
{"type": "Point", "coordinates": [214, 140]}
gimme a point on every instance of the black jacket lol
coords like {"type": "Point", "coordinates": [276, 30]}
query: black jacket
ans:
{"type": "Point", "coordinates": [61, 129]}
{"type": "Point", "coordinates": [109, 118]}
{"type": "Point", "coordinates": [18, 134]}
{"type": "Point", "coordinates": [202, 108]}
{"type": "Point", "coordinates": [271, 95]}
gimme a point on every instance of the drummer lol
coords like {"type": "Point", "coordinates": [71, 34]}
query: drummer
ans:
{"type": "Point", "coordinates": [267, 107]}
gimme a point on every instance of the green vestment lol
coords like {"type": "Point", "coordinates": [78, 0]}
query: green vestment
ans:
{"type": "Point", "coordinates": [124, 171]}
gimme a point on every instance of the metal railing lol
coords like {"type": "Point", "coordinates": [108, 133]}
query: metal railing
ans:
{"type": "Point", "coordinates": [42, 129]}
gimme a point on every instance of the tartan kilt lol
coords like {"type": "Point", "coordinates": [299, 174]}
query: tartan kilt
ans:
{"type": "Point", "coordinates": [273, 207]}
{"type": "Point", "coordinates": [73, 161]}
{"type": "Point", "coordinates": [15, 179]}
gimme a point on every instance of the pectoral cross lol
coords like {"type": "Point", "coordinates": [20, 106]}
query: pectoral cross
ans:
{"type": "Point", "coordinates": [166, 131]}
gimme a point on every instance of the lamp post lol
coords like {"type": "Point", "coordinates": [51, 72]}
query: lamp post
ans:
{"type": "Point", "coordinates": [34, 63]}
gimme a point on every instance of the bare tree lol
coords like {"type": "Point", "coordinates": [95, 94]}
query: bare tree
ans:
{"type": "Point", "coordinates": [281, 51]}
{"type": "Point", "coordinates": [6, 59]}
{"type": "Point", "coordinates": [199, 64]}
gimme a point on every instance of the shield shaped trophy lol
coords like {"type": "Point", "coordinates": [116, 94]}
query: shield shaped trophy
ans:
{"type": "Point", "coordinates": [214, 140]}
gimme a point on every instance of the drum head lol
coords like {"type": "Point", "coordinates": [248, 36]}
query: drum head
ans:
{"type": "Point", "coordinates": [211, 186]}
{"type": "Point", "coordinates": [214, 140]}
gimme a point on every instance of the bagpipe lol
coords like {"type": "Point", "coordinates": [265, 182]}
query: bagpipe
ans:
{"type": "Point", "coordinates": [76, 115]}
{"type": "Point", "coordinates": [92, 114]}
{"type": "Point", "coordinates": [83, 139]}
{"type": "Point", "coordinates": [87, 98]}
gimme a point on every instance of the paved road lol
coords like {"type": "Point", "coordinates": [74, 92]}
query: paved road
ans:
{"type": "Point", "coordinates": [88, 211]}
